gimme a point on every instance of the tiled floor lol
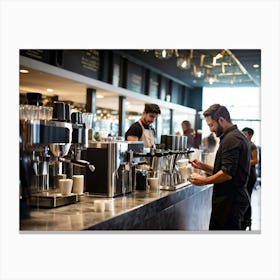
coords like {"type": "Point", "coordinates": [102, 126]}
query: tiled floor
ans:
{"type": "Point", "coordinates": [256, 208]}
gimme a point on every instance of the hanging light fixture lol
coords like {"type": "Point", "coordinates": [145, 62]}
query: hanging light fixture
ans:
{"type": "Point", "coordinates": [197, 71]}
{"type": "Point", "coordinates": [164, 54]}
{"type": "Point", "coordinates": [184, 62]}
{"type": "Point", "coordinates": [220, 54]}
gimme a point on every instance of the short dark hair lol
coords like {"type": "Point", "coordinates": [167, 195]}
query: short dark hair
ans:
{"type": "Point", "coordinates": [152, 108]}
{"type": "Point", "coordinates": [249, 130]}
{"type": "Point", "coordinates": [186, 123]}
{"type": "Point", "coordinates": [216, 110]}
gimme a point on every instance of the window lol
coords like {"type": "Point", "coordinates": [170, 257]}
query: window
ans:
{"type": "Point", "coordinates": [243, 105]}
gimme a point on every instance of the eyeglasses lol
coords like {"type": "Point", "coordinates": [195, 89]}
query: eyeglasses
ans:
{"type": "Point", "coordinates": [211, 124]}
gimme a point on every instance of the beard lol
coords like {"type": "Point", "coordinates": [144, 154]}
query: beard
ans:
{"type": "Point", "coordinates": [219, 130]}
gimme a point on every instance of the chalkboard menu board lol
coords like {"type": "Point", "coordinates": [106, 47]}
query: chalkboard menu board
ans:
{"type": "Point", "coordinates": [153, 85]}
{"type": "Point", "coordinates": [46, 56]}
{"type": "Point", "coordinates": [135, 77]}
{"type": "Point", "coordinates": [84, 62]}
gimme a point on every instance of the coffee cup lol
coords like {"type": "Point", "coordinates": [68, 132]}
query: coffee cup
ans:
{"type": "Point", "coordinates": [153, 180]}
{"type": "Point", "coordinates": [109, 205]}
{"type": "Point", "coordinates": [186, 171]}
{"type": "Point", "coordinates": [182, 162]}
{"type": "Point", "coordinates": [154, 183]}
{"type": "Point", "coordinates": [57, 177]}
{"type": "Point", "coordinates": [65, 186]}
{"type": "Point", "coordinates": [78, 184]}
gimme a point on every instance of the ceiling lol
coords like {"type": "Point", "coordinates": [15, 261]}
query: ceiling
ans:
{"type": "Point", "coordinates": [237, 70]}
{"type": "Point", "coordinates": [232, 68]}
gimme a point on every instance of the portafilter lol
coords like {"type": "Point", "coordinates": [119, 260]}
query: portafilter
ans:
{"type": "Point", "coordinates": [60, 149]}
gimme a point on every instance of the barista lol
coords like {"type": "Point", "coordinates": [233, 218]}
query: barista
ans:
{"type": "Point", "coordinates": [142, 129]}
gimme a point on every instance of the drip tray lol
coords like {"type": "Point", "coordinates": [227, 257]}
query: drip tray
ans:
{"type": "Point", "coordinates": [53, 200]}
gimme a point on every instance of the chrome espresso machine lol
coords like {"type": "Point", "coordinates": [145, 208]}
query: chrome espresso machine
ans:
{"type": "Point", "coordinates": [50, 143]}
{"type": "Point", "coordinates": [162, 163]}
{"type": "Point", "coordinates": [175, 148]}
{"type": "Point", "coordinates": [115, 163]}
{"type": "Point", "coordinates": [123, 166]}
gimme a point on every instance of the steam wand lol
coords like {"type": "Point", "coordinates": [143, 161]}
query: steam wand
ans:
{"type": "Point", "coordinates": [81, 163]}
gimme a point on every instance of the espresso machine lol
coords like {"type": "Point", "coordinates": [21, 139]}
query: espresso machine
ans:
{"type": "Point", "coordinates": [162, 163]}
{"type": "Point", "coordinates": [114, 163]}
{"type": "Point", "coordinates": [45, 141]}
{"type": "Point", "coordinates": [175, 148]}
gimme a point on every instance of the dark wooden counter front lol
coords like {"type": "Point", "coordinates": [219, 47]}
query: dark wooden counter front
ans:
{"type": "Point", "coordinates": [187, 208]}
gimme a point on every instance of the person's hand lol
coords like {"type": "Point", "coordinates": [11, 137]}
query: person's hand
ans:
{"type": "Point", "coordinates": [197, 179]}
{"type": "Point", "coordinates": [196, 163]}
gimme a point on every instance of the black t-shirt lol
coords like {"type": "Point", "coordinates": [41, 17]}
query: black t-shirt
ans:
{"type": "Point", "coordinates": [233, 157]}
{"type": "Point", "coordinates": [136, 130]}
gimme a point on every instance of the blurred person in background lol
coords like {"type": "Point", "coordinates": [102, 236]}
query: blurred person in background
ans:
{"type": "Point", "coordinates": [249, 132]}
{"type": "Point", "coordinates": [142, 129]}
{"type": "Point", "coordinates": [230, 173]}
{"type": "Point", "coordinates": [189, 132]}
{"type": "Point", "coordinates": [210, 143]}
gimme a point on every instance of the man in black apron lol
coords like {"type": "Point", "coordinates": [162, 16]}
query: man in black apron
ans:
{"type": "Point", "coordinates": [142, 130]}
{"type": "Point", "coordinates": [229, 174]}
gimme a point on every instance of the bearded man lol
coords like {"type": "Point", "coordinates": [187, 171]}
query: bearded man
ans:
{"type": "Point", "coordinates": [229, 174]}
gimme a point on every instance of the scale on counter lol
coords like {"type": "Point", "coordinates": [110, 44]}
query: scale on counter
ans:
{"type": "Point", "coordinates": [52, 199]}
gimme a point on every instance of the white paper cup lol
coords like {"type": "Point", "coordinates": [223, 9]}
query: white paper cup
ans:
{"type": "Point", "coordinates": [182, 162]}
{"type": "Point", "coordinates": [109, 205]}
{"type": "Point", "coordinates": [57, 177]}
{"type": "Point", "coordinates": [65, 186]}
{"type": "Point", "coordinates": [154, 183]}
{"type": "Point", "coordinates": [99, 206]}
{"type": "Point", "coordinates": [185, 171]}
{"type": "Point", "coordinates": [78, 184]}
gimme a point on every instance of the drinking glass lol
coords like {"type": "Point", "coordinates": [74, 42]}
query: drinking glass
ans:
{"type": "Point", "coordinates": [87, 119]}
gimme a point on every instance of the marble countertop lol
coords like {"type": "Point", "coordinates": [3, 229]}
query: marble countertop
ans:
{"type": "Point", "coordinates": [126, 211]}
